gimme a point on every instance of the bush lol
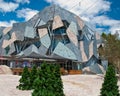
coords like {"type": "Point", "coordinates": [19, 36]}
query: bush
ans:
{"type": "Point", "coordinates": [48, 82]}
{"type": "Point", "coordinates": [58, 85]}
{"type": "Point", "coordinates": [33, 75]}
{"type": "Point", "coordinates": [25, 80]}
{"type": "Point", "coordinates": [109, 87]}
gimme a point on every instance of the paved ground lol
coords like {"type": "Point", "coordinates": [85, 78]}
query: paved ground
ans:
{"type": "Point", "coordinates": [74, 85]}
{"type": "Point", "coordinates": [82, 85]}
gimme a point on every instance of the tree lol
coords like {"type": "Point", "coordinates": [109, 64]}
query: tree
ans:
{"type": "Point", "coordinates": [111, 49]}
{"type": "Point", "coordinates": [33, 75]}
{"type": "Point", "coordinates": [25, 80]}
{"type": "Point", "coordinates": [48, 82]}
{"type": "Point", "coordinates": [109, 87]}
{"type": "Point", "coordinates": [58, 81]}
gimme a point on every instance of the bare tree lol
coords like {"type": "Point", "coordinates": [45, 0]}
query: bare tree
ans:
{"type": "Point", "coordinates": [111, 49]}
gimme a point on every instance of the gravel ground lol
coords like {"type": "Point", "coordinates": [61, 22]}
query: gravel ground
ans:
{"type": "Point", "coordinates": [74, 85]}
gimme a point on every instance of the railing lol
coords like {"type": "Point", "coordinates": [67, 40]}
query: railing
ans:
{"type": "Point", "coordinates": [18, 71]}
{"type": "Point", "coordinates": [73, 72]}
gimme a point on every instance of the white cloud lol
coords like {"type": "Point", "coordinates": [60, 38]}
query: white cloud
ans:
{"type": "Point", "coordinates": [89, 10]}
{"type": "Point", "coordinates": [94, 6]}
{"type": "Point", "coordinates": [22, 1]}
{"type": "Point", "coordinates": [104, 21]}
{"type": "Point", "coordinates": [26, 13]}
{"type": "Point", "coordinates": [115, 29]}
{"type": "Point", "coordinates": [8, 6]}
{"type": "Point", "coordinates": [6, 24]}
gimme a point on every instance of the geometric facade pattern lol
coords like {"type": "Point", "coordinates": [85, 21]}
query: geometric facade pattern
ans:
{"type": "Point", "coordinates": [63, 51]}
{"type": "Point", "coordinates": [52, 33]}
{"type": "Point", "coordinates": [84, 57]}
{"type": "Point", "coordinates": [72, 33]}
{"type": "Point", "coordinates": [57, 23]}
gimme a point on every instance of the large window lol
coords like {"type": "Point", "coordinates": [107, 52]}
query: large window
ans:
{"type": "Point", "coordinates": [59, 31]}
{"type": "Point", "coordinates": [22, 45]}
{"type": "Point", "coordinates": [7, 49]}
{"type": "Point", "coordinates": [59, 36]}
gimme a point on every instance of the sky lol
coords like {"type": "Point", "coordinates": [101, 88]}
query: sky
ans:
{"type": "Point", "coordinates": [104, 15]}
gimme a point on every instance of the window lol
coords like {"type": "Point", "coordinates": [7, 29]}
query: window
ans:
{"type": "Point", "coordinates": [0, 36]}
{"type": "Point", "coordinates": [7, 49]}
{"type": "Point", "coordinates": [59, 31]}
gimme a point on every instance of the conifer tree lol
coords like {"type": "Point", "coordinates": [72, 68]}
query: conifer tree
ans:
{"type": "Point", "coordinates": [58, 81]}
{"type": "Point", "coordinates": [25, 80]}
{"type": "Point", "coordinates": [109, 87]}
{"type": "Point", "coordinates": [49, 82]}
{"type": "Point", "coordinates": [33, 75]}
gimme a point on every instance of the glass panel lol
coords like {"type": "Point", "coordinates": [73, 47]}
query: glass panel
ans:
{"type": "Point", "coordinates": [59, 31]}
{"type": "Point", "coordinates": [37, 44]}
{"type": "Point", "coordinates": [7, 49]}
{"type": "Point", "coordinates": [0, 36]}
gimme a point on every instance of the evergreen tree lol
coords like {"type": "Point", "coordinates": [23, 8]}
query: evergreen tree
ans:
{"type": "Point", "coordinates": [58, 85]}
{"type": "Point", "coordinates": [37, 88]}
{"type": "Point", "coordinates": [49, 82]}
{"type": "Point", "coordinates": [109, 87]}
{"type": "Point", "coordinates": [25, 80]}
{"type": "Point", "coordinates": [33, 75]}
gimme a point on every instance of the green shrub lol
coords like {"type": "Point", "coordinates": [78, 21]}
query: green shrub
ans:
{"type": "Point", "coordinates": [109, 87]}
{"type": "Point", "coordinates": [58, 85]}
{"type": "Point", "coordinates": [33, 75]}
{"type": "Point", "coordinates": [25, 80]}
{"type": "Point", "coordinates": [48, 82]}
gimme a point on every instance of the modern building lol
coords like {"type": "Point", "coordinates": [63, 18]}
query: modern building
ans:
{"type": "Point", "coordinates": [53, 35]}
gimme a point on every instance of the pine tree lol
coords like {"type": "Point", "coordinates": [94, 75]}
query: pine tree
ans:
{"type": "Point", "coordinates": [25, 80]}
{"type": "Point", "coordinates": [109, 87]}
{"type": "Point", "coordinates": [33, 75]}
{"type": "Point", "coordinates": [49, 82]}
{"type": "Point", "coordinates": [37, 88]}
{"type": "Point", "coordinates": [58, 85]}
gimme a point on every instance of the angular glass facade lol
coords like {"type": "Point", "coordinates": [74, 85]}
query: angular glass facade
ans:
{"type": "Point", "coordinates": [53, 34]}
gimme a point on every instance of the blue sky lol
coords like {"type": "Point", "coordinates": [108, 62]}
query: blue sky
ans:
{"type": "Point", "coordinates": [102, 14]}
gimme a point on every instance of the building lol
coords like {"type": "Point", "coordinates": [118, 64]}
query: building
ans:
{"type": "Point", "coordinates": [55, 35]}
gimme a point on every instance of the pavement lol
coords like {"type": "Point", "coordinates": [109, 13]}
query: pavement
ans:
{"type": "Point", "coordinates": [74, 85]}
